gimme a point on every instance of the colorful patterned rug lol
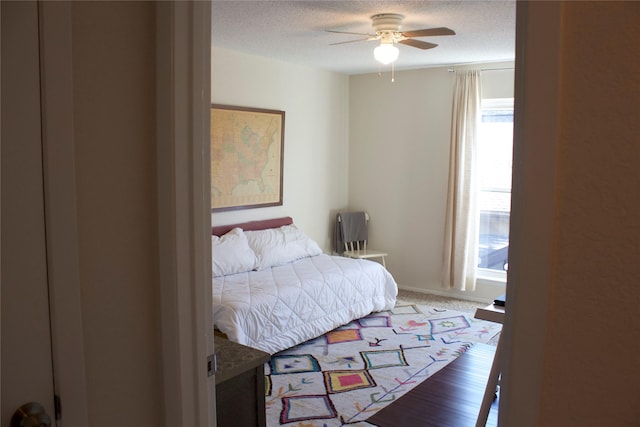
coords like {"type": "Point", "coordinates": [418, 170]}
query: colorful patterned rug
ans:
{"type": "Point", "coordinates": [348, 374]}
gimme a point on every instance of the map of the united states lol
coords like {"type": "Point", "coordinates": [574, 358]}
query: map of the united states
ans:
{"type": "Point", "coordinates": [245, 158]}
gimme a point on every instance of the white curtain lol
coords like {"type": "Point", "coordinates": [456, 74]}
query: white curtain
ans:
{"type": "Point", "coordinates": [462, 218]}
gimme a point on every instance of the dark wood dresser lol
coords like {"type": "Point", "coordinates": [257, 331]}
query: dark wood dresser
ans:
{"type": "Point", "coordinates": [240, 385]}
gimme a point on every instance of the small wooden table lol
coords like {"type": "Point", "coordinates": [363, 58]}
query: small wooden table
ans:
{"type": "Point", "coordinates": [240, 386]}
{"type": "Point", "coordinates": [491, 313]}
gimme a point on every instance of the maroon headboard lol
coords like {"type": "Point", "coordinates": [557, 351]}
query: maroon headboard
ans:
{"type": "Point", "coordinates": [263, 224]}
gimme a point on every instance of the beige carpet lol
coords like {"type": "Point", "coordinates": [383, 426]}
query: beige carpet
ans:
{"type": "Point", "coordinates": [411, 297]}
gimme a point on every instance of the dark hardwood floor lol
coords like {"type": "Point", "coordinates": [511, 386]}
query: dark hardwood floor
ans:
{"type": "Point", "coordinates": [449, 398]}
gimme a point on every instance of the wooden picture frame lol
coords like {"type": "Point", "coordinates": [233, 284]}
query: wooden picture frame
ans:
{"type": "Point", "coordinates": [247, 157]}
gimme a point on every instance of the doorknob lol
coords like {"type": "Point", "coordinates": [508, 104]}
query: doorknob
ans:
{"type": "Point", "coordinates": [30, 415]}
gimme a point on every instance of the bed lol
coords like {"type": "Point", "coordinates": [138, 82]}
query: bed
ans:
{"type": "Point", "coordinates": [273, 288]}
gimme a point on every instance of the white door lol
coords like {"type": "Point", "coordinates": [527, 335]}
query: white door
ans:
{"type": "Point", "coordinates": [26, 344]}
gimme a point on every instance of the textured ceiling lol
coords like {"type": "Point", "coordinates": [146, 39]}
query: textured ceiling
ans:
{"type": "Point", "coordinates": [295, 31]}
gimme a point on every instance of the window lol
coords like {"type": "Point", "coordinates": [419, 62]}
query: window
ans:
{"type": "Point", "coordinates": [494, 156]}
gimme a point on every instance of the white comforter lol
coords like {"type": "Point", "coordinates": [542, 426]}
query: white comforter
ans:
{"type": "Point", "coordinates": [282, 306]}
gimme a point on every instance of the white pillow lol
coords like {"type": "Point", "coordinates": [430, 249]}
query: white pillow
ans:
{"type": "Point", "coordinates": [231, 254]}
{"type": "Point", "coordinates": [277, 246]}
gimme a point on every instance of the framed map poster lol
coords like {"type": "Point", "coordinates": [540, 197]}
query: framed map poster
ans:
{"type": "Point", "coordinates": [247, 147]}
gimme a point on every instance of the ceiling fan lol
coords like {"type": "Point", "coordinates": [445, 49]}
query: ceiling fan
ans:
{"type": "Point", "coordinates": [387, 29]}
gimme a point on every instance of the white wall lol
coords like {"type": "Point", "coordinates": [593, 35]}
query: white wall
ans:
{"type": "Point", "coordinates": [399, 156]}
{"type": "Point", "coordinates": [315, 141]}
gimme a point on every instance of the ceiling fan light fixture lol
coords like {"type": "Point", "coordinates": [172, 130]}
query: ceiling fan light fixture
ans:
{"type": "Point", "coordinates": [388, 29]}
{"type": "Point", "coordinates": [386, 53]}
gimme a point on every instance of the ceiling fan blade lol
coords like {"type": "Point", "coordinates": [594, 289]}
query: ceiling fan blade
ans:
{"type": "Point", "coordinates": [441, 31]}
{"type": "Point", "coordinates": [346, 32]}
{"type": "Point", "coordinates": [351, 41]}
{"type": "Point", "coordinates": [418, 43]}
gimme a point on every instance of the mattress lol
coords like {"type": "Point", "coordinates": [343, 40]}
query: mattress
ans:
{"type": "Point", "coordinates": [282, 306]}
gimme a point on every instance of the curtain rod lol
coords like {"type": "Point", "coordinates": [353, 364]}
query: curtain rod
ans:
{"type": "Point", "coordinates": [452, 70]}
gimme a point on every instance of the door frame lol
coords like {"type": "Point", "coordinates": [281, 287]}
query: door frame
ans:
{"type": "Point", "coordinates": [183, 33]}
{"type": "Point", "coordinates": [535, 153]}
{"type": "Point", "coordinates": [184, 205]}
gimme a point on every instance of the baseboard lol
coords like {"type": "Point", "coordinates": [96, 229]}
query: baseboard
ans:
{"type": "Point", "coordinates": [444, 293]}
